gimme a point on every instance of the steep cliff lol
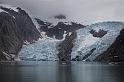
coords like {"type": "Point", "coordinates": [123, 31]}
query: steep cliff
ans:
{"type": "Point", "coordinates": [65, 47]}
{"type": "Point", "coordinates": [10, 41]}
{"type": "Point", "coordinates": [57, 31]}
{"type": "Point", "coordinates": [115, 53]}
{"type": "Point", "coordinates": [26, 27]}
{"type": "Point", "coordinates": [16, 27]}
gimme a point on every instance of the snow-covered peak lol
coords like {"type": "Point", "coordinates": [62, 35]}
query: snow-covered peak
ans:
{"type": "Point", "coordinates": [68, 23]}
{"type": "Point", "coordinates": [9, 7]}
{"type": "Point", "coordinates": [57, 30]}
{"type": "Point", "coordinates": [54, 20]}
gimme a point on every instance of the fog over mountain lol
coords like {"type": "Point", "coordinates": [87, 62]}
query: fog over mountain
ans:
{"type": "Point", "coordinates": [83, 11]}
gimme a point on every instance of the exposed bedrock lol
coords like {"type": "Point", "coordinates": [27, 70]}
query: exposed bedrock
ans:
{"type": "Point", "coordinates": [65, 47]}
{"type": "Point", "coordinates": [15, 29]}
{"type": "Point", "coordinates": [115, 53]}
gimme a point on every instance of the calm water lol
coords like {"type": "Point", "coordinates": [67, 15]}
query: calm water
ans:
{"type": "Point", "coordinates": [55, 72]}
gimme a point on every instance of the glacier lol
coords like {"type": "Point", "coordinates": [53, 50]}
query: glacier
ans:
{"type": "Point", "coordinates": [85, 42]}
{"type": "Point", "coordinates": [44, 49]}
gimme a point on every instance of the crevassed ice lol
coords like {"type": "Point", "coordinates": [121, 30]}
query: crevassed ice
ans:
{"type": "Point", "coordinates": [46, 49]}
{"type": "Point", "coordinates": [85, 41]}
{"type": "Point", "coordinates": [41, 50]}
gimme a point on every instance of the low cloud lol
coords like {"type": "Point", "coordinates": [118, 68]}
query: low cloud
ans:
{"type": "Point", "coordinates": [88, 11]}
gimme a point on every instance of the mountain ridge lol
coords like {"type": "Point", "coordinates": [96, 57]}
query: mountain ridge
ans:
{"type": "Point", "coordinates": [15, 26]}
{"type": "Point", "coordinates": [64, 41]}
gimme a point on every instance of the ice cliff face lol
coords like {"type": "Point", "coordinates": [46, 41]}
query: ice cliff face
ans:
{"type": "Point", "coordinates": [44, 49]}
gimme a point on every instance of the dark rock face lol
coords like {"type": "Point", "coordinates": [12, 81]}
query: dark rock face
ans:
{"type": "Point", "coordinates": [61, 16]}
{"type": "Point", "coordinates": [59, 29]}
{"type": "Point", "coordinates": [43, 25]}
{"type": "Point", "coordinates": [79, 58]}
{"type": "Point", "coordinates": [115, 53]}
{"type": "Point", "coordinates": [86, 56]}
{"type": "Point", "coordinates": [26, 27]}
{"type": "Point", "coordinates": [15, 28]}
{"type": "Point", "coordinates": [65, 47]}
{"type": "Point", "coordinates": [10, 40]}
{"type": "Point", "coordinates": [98, 34]}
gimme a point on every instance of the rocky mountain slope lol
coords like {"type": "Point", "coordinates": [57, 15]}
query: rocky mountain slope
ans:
{"type": "Point", "coordinates": [16, 27]}
{"type": "Point", "coordinates": [62, 40]}
{"type": "Point", "coordinates": [57, 31]}
{"type": "Point", "coordinates": [57, 45]}
{"type": "Point", "coordinates": [115, 53]}
{"type": "Point", "coordinates": [65, 47]}
{"type": "Point", "coordinates": [89, 42]}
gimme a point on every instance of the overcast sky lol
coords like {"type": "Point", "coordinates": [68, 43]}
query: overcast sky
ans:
{"type": "Point", "coordinates": [80, 10]}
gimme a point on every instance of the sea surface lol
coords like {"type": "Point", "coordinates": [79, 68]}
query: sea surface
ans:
{"type": "Point", "coordinates": [49, 71]}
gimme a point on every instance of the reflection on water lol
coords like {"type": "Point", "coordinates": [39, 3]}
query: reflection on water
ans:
{"type": "Point", "coordinates": [64, 73]}
{"type": "Point", "coordinates": [55, 72]}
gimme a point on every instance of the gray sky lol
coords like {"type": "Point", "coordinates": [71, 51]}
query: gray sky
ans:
{"type": "Point", "coordinates": [87, 11]}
